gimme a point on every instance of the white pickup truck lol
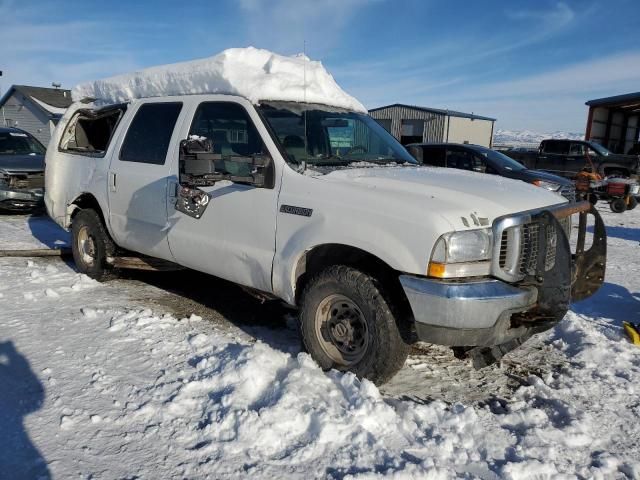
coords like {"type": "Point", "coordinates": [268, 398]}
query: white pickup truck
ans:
{"type": "Point", "coordinates": [319, 206]}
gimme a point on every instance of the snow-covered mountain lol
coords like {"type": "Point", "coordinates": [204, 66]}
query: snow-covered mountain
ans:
{"type": "Point", "coordinates": [528, 137]}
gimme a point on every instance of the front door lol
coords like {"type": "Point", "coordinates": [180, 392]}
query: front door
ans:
{"type": "Point", "coordinates": [138, 179]}
{"type": "Point", "coordinates": [235, 237]}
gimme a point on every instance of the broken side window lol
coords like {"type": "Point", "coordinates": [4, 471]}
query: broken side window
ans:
{"type": "Point", "coordinates": [90, 131]}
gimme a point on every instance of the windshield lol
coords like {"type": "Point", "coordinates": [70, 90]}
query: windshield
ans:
{"type": "Point", "coordinates": [19, 143]}
{"type": "Point", "coordinates": [500, 159]}
{"type": "Point", "coordinates": [320, 135]}
{"type": "Point", "coordinates": [599, 148]}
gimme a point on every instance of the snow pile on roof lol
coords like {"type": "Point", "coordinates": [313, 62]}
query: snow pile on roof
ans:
{"type": "Point", "coordinates": [252, 73]}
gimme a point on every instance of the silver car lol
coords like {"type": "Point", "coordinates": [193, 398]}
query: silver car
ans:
{"type": "Point", "coordinates": [21, 170]}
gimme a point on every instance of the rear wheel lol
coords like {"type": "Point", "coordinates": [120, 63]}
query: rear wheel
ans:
{"type": "Point", "coordinates": [91, 245]}
{"type": "Point", "coordinates": [618, 205]}
{"type": "Point", "coordinates": [347, 324]}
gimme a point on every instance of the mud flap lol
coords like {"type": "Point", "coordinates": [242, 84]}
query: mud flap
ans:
{"type": "Point", "coordinates": [589, 266]}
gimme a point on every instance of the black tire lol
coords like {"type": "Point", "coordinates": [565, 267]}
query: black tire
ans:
{"type": "Point", "coordinates": [91, 245]}
{"type": "Point", "coordinates": [632, 203]}
{"type": "Point", "coordinates": [618, 205]}
{"type": "Point", "coordinates": [340, 296]}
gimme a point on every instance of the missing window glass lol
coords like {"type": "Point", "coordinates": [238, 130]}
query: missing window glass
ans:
{"type": "Point", "coordinates": [90, 132]}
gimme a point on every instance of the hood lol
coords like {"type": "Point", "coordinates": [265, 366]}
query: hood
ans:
{"type": "Point", "coordinates": [21, 163]}
{"type": "Point", "coordinates": [622, 158]}
{"type": "Point", "coordinates": [531, 175]}
{"type": "Point", "coordinates": [464, 199]}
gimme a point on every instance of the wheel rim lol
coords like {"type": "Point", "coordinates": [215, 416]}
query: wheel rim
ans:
{"type": "Point", "coordinates": [86, 246]}
{"type": "Point", "coordinates": [341, 329]}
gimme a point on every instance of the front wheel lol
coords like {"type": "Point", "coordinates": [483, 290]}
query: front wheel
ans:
{"type": "Point", "coordinates": [632, 203]}
{"type": "Point", "coordinates": [347, 324]}
{"type": "Point", "coordinates": [91, 245]}
{"type": "Point", "coordinates": [618, 205]}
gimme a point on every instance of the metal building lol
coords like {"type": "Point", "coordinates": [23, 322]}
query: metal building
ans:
{"type": "Point", "coordinates": [412, 124]}
{"type": "Point", "coordinates": [615, 122]}
{"type": "Point", "coordinates": [34, 109]}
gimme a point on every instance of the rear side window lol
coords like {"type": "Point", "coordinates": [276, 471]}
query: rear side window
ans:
{"type": "Point", "coordinates": [435, 156]}
{"type": "Point", "coordinates": [577, 149]}
{"type": "Point", "coordinates": [559, 148]}
{"type": "Point", "coordinates": [460, 159]}
{"type": "Point", "coordinates": [89, 132]}
{"type": "Point", "coordinates": [149, 134]}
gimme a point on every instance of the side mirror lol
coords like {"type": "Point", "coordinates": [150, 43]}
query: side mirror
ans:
{"type": "Point", "coordinates": [200, 167]}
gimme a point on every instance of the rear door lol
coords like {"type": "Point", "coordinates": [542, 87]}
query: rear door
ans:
{"type": "Point", "coordinates": [138, 178]}
{"type": "Point", "coordinates": [576, 160]}
{"type": "Point", "coordinates": [553, 157]}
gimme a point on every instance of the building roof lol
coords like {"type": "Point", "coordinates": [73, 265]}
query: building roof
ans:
{"type": "Point", "coordinates": [623, 101]}
{"type": "Point", "coordinates": [450, 113]}
{"type": "Point", "coordinates": [52, 100]}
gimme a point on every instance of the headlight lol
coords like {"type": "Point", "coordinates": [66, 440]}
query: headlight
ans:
{"type": "Point", "coordinates": [554, 187]}
{"type": "Point", "coordinates": [462, 254]}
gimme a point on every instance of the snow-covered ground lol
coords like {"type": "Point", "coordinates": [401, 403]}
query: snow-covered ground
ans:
{"type": "Point", "coordinates": [129, 380]}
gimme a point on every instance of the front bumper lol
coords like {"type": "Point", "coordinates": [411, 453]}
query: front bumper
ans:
{"type": "Point", "coordinates": [21, 199]}
{"type": "Point", "coordinates": [467, 313]}
{"type": "Point", "coordinates": [518, 303]}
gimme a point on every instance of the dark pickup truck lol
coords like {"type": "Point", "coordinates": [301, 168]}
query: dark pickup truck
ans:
{"type": "Point", "coordinates": [568, 157]}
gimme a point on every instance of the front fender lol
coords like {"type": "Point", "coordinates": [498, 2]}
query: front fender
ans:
{"type": "Point", "coordinates": [381, 244]}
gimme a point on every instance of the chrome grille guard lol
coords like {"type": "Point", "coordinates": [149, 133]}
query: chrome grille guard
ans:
{"type": "Point", "coordinates": [528, 244]}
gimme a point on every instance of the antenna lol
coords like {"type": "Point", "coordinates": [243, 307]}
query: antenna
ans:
{"type": "Point", "coordinates": [303, 165]}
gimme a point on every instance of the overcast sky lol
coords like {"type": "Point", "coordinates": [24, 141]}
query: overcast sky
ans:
{"type": "Point", "coordinates": [531, 64]}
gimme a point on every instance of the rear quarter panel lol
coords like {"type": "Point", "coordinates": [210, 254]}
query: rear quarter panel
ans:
{"type": "Point", "coordinates": [69, 175]}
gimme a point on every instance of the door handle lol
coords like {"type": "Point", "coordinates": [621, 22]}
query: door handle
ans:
{"type": "Point", "coordinates": [173, 189]}
{"type": "Point", "coordinates": [112, 181]}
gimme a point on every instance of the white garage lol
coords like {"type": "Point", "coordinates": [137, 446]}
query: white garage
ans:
{"type": "Point", "coordinates": [413, 124]}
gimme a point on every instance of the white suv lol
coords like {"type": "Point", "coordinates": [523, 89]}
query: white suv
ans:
{"type": "Point", "coordinates": [320, 207]}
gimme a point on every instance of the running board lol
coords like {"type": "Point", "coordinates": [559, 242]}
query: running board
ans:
{"type": "Point", "coordinates": [144, 263]}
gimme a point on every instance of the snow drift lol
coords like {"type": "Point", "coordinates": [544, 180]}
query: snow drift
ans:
{"type": "Point", "coordinates": [103, 382]}
{"type": "Point", "coordinates": [252, 73]}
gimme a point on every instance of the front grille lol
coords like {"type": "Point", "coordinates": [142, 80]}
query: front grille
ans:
{"type": "Point", "coordinates": [520, 249]}
{"type": "Point", "coordinates": [26, 181]}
